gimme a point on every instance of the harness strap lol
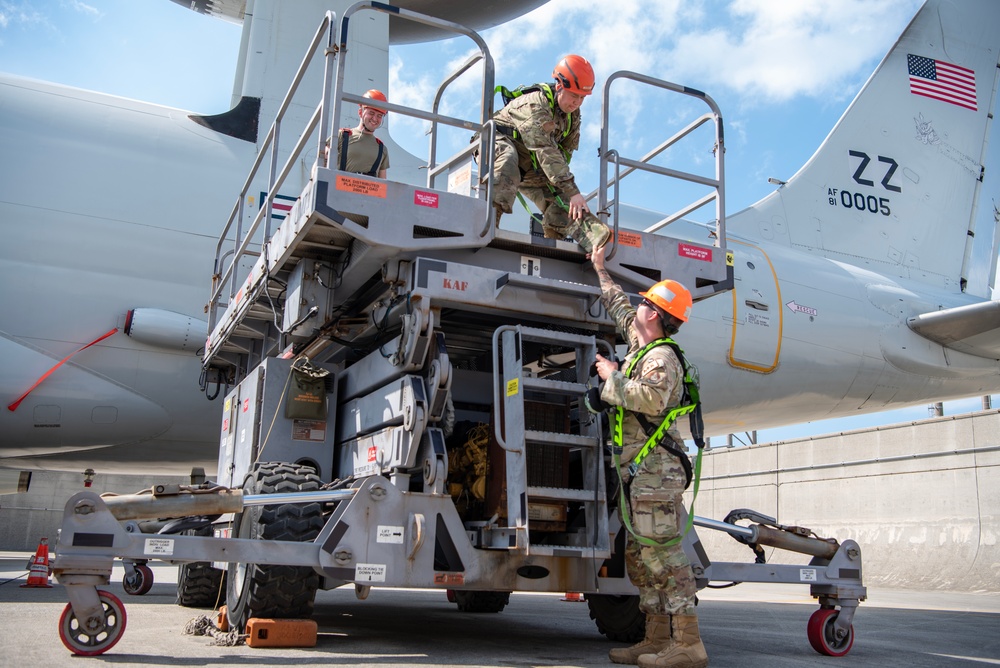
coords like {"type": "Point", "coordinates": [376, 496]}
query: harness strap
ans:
{"type": "Point", "coordinates": [660, 437]}
{"type": "Point", "coordinates": [378, 159]}
{"type": "Point", "coordinates": [664, 442]}
{"type": "Point", "coordinates": [345, 138]}
{"type": "Point", "coordinates": [507, 95]}
{"type": "Point", "coordinates": [623, 498]}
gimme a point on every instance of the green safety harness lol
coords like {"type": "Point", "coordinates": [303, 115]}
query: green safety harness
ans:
{"type": "Point", "coordinates": [508, 95]}
{"type": "Point", "coordinates": [690, 404]}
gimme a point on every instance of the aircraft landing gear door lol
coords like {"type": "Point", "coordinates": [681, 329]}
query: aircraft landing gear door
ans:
{"type": "Point", "coordinates": [757, 312]}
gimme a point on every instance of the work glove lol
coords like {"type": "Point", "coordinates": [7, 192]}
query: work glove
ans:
{"type": "Point", "coordinates": [592, 399]}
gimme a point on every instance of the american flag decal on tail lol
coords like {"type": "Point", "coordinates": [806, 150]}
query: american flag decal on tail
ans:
{"type": "Point", "coordinates": [942, 81]}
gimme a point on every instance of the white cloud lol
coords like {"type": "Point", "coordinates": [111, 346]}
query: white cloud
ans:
{"type": "Point", "coordinates": [774, 50]}
{"type": "Point", "coordinates": [22, 14]}
{"type": "Point", "coordinates": [82, 8]}
{"type": "Point", "coordinates": [769, 49]}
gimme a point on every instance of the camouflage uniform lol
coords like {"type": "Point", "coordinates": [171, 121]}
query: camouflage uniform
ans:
{"type": "Point", "coordinates": [541, 130]}
{"type": "Point", "coordinates": [662, 574]}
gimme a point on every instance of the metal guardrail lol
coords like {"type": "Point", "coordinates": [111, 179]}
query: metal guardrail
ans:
{"type": "Point", "coordinates": [608, 155]}
{"type": "Point", "coordinates": [333, 96]}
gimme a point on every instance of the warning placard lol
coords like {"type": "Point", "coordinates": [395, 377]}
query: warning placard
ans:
{"type": "Point", "coordinates": [449, 579]}
{"type": "Point", "coordinates": [389, 534]}
{"type": "Point", "coordinates": [361, 186]}
{"type": "Point", "coordinates": [422, 198]}
{"type": "Point", "coordinates": [369, 573]}
{"type": "Point", "coordinates": [694, 252]}
{"type": "Point", "coordinates": [160, 547]}
{"type": "Point", "coordinates": [629, 239]}
{"type": "Point", "coordinates": [309, 430]}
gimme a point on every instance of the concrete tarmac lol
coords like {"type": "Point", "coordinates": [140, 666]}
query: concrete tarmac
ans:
{"type": "Point", "coordinates": [749, 625]}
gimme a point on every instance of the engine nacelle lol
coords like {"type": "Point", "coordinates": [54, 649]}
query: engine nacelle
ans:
{"type": "Point", "coordinates": [165, 329]}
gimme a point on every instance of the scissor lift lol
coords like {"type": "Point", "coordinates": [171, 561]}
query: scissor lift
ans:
{"type": "Point", "coordinates": [423, 316]}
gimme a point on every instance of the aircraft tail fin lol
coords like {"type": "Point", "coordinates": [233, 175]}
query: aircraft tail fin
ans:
{"type": "Point", "coordinates": [896, 183]}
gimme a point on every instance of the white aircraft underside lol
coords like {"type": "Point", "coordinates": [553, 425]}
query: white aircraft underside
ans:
{"type": "Point", "coordinates": [841, 305]}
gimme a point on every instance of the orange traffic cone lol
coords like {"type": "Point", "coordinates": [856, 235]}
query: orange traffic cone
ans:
{"type": "Point", "coordinates": [573, 597]}
{"type": "Point", "coordinates": [38, 575]}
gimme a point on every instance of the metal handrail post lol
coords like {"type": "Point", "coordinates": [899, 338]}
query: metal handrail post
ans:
{"type": "Point", "coordinates": [718, 184]}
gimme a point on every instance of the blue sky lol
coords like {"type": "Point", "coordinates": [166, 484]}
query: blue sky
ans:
{"type": "Point", "coordinates": [782, 72]}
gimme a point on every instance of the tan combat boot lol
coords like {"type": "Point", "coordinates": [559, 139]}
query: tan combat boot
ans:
{"type": "Point", "coordinates": [657, 639]}
{"type": "Point", "coordinates": [686, 649]}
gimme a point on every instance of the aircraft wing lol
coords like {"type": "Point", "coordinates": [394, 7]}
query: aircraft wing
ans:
{"type": "Point", "coordinates": [972, 329]}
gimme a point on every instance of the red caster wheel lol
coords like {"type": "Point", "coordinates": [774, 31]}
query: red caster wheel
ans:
{"type": "Point", "coordinates": [822, 633]}
{"type": "Point", "coordinates": [85, 642]}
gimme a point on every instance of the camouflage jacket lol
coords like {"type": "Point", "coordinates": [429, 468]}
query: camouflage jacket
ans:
{"type": "Point", "coordinates": [540, 130]}
{"type": "Point", "coordinates": [656, 383]}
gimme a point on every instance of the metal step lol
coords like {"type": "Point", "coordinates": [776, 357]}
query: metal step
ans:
{"type": "Point", "coordinates": [557, 438]}
{"type": "Point", "coordinates": [587, 552]}
{"type": "Point", "coordinates": [562, 494]}
{"type": "Point", "coordinates": [566, 339]}
{"type": "Point", "coordinates": [557, 386]}
{"type": "Point", "coordinates": [537, 283]}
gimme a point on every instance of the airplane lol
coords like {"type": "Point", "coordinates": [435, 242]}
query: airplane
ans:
{"type": "Point", "coordinates": [853, 287]}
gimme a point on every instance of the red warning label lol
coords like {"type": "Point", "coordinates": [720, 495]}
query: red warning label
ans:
{"type": "Point", "coordinates": [422, 198]}
{"type": "Point", "coordinates": [695, 252]}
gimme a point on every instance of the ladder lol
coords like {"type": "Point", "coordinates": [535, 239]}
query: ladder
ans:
{"type": "Point", "coordinates": [515, 380]}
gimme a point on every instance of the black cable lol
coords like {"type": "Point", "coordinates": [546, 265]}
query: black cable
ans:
{"type": "Point", "coordinates": [16, 577]}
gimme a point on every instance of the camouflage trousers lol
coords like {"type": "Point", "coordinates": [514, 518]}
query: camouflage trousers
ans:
{"type": "Point", "coordinates": [663, 575]}
{"type": "Point", "coordinates": [589, 232]}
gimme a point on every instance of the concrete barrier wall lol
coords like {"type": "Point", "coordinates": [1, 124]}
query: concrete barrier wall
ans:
{"type": "Point", "coordinates": [922, 498]}
{"type": "Point", "coordinates": [25, 518]}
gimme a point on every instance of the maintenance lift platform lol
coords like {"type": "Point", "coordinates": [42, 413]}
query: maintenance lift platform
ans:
{"type": "Point", "coordinates": [403, 395]}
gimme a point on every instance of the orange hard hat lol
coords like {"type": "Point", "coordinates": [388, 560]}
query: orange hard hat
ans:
{"type": "Point", "coordinates": [374, 94]}
{"type": "Point", "coordinates": [672, 297]}
{"type": "Point", "coordinates": [575, 74]}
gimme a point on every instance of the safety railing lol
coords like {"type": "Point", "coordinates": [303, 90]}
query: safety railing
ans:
{"type": "Point", "coordinates": [607, 155]}
{"type": "Point", "coordinates": [245, 240]}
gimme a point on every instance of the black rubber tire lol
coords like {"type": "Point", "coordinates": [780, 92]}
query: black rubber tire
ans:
{"type": "Point", "coordinates": [618, 617]}
{"type": "Point", "coordinates": [198, 584]}
{"type": "Point", "coordinates": [275, 592]}
{"type": "Point", "coordinates": [481, 601]}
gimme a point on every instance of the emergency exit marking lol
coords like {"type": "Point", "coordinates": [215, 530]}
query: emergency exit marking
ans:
{"type": "Point", "coordinates": [387, 534]}
{"type": "Point", "coordinates": [361, 186]}
{"type": "Point", "coordinates": [369, 573]}
{"type": "Point", "coordinates": [159, 546]}
{"type": "Point", "coordinates": [807, 575]}
{"type": "Point", "coordinates": [512, 387]}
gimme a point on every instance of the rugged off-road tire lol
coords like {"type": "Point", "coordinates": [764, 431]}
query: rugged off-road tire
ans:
{"type": "Point", "coordinates": [482, 601]}
{"type": "Point", "coordinates": [198, 584]}
{"type": "Point", "coordinates": [275, 592]}
{"type": "Point", "coordinates": [618, 617]}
